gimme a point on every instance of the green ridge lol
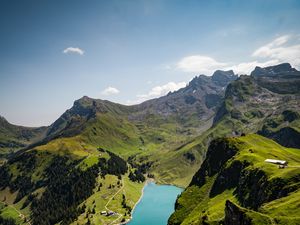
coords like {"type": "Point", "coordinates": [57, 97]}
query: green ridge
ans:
{"type": "Point", "coordinates": [205, 202]}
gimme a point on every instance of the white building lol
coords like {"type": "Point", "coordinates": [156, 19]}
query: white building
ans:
{"type": "Point", "coordinates": [276, 161]}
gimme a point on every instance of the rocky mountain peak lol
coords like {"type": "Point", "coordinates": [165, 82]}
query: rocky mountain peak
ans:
{"type": "Point", "coordinates": [2, 119]}
{"type": "Point", "coordinates": [198, 81]}
{"type": "Point", "coordinates": [284, 68]}
{"type": "Point", "coordinates": [83, 101]}
{"type": "Point", "coordinates": [87, 105]}
{"type": "Point", "coordinates": [223, 78]}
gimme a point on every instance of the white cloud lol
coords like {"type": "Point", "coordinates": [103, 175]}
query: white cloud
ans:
{"type": "Point", "coordinates": [199, 64]}
{"type": "Point", "coordinates": [248, 67]}
{"type": "Point", "coordinates": [110, 91]}
{"type": "Point", "coordinates": [157, 91]}
{"type": "Point", "coordinates": [164, 89]}
{"type": "Point", "coordinates": [283, 49]}
{"type": "Point", "coordinates": [72, 50]}
{"type": "Point", "coordinates": [266, 50]}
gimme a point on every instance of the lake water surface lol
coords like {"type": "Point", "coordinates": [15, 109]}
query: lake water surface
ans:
{"type": "Point", "coordinates": [156, 205]}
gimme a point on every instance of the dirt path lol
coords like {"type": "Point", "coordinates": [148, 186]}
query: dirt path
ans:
{"type": "Point", "coordinates": [113, 196]}
{"type": "Point", "coordinates": [119, 215]}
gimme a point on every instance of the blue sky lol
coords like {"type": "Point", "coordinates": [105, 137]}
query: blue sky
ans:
{"type": "Point", "coordinates": [54, 52]}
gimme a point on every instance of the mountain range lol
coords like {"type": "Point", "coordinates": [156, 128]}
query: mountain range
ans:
{"type": "Point", "coordinates": [108, 145]}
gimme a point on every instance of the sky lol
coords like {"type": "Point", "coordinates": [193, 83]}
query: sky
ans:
{"type": "Point", "coordinates": [53, 52]}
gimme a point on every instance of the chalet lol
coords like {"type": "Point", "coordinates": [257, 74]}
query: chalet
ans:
{"type": "Point", "coordinates": [110, 213]}
{"type": "Point", "coordinates": [277, 162]}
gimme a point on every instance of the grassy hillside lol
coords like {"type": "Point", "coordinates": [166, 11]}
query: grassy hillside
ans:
{"type": "Point", "coordinates": [13, 137]}
{"type": "Point", "coordinates": [236, 172]}
{"type": "Point", "coordinates": [9, 214]}
{"type": "Point", "coordinates": [139, 141]}
{"type": "Point", "coordinates": [51, 184]}
{"type": "Point", "coordinates": [249, 107]}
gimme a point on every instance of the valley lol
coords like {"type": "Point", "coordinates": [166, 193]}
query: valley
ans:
{"type": "Point", "coordinates": [210, 137]}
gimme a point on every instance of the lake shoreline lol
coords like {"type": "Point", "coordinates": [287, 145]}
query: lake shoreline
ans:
{"type": "Point", "coordinates": [156, 200]}
{"type": "Point", "coordinates": [149, 180]}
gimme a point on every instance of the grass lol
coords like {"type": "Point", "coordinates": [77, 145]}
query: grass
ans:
{"type": "Point", "coordinates": [142, 140]}
{"type": "Point", "coordinates": [73, 146]}
{"type": "Point", "coordinates": [105, 188]}
{"type": "Point", "coordinates": [264, 148]}
{"type": "Point", "coordinates": [195, 203]}
{"type": "Point", "coordinates": [12, 209]}
{"type": "Point", "coordinates": [190, 201]}
{"type": "Point", "coordinates": [15, 137]}
{"type": "Point", "coordinates": [286, 208]}
{"type": "Point", "coordinates": [101, 197]}
{"type": "Point", "coordinates": [9, 212]}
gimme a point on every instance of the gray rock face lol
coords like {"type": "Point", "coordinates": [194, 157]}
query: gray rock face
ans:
{"type": "Point", "coordinates": [199, 99]}
{"type": "Point", "coordinates": [284, 68]}
{"type": "Point", "coordinates": [222, 78]}
{"type": "Point", "coordinates": [264, 102]}
{"type": "Point", "coordinates": [286, 136]}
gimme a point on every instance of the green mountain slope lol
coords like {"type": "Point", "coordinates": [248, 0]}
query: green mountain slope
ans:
{"type": "Point", "coordinates": [250, 107]}
{"type": "Point", "coordinates": [235, 186]}
{"type": "Point", "coordinates": [13, 137]}
{"type": "Point", "coordinates": [150, 132]}
{"type": "Point", "coordinates": [99, 149]}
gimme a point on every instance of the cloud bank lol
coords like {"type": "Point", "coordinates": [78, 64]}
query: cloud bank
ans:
{"type": "Point", "coordinates": [285, 48]}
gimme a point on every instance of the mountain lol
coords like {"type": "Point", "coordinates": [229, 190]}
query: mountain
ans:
{"type": "Point", "coordinates": [282, 78]}
{"type": "Point", "coordinates": [252, 104]}
{"type": "Point", "coordinates": [98, 147]}
{"type": "Point", "coordinates": [13, 137]}
{"type": "Point", "coordinates": [235, 186]}
{"type": "Point", "coordinates": [284, 69]}
{"type": "Point", "coordinates": [150, 130]}
{"type": "Point", "coordinates": [267, 102]}
{"type": "Point", "coordinates": [223, 78]}
{"type": "Point", "coordinates": [197, 101]}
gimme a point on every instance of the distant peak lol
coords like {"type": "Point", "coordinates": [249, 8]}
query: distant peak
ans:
{"type": "Point", "coordinates": [223, 73]}
{"type": "Point", "coordinates": [85, 98]}
{"type": "Point", "coordinates": [222, 78]}
{"type": "Point", "coordinates": [3, 118]}
{"type": "Point", "coordinates": [198, 81]}
{"type": "Point", "coordinates": [273, 70]}
{"type": "Point", "coordinates": [280, 67]}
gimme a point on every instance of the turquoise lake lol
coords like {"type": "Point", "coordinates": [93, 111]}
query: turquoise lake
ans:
{"type": "Point", "coordinates": [156, 205]}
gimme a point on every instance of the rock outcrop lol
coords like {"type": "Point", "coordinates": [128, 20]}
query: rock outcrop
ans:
{"type": "Point", "coordinates": [234, 215]}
